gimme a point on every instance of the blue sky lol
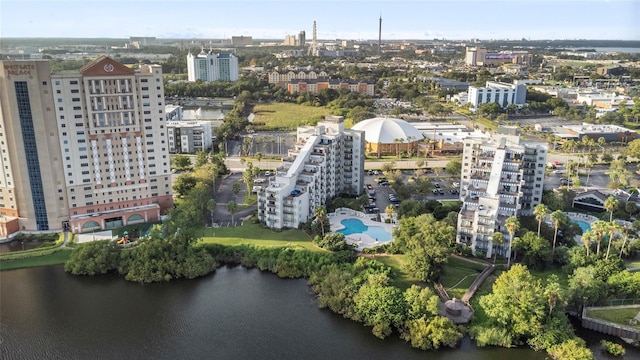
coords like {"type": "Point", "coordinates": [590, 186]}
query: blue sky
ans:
{"type": "Point", "coordinates": [351, 19]}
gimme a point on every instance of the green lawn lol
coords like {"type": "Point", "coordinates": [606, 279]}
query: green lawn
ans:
{"type": "Point", "coordinates": [459, 275]}
{"type": "Point", "coordinates": [618, 316]}
{"type": "Point", "coordinates": [253, 234]}
{"type": "Point", "coordinates": [58, 257]}
{"type": "Point", "coordinates": [563, 278]}
{"type": "Point", "coordinates": [286, 116]}
{"type": "Point", "coordinates": [632, 264]}
{"type": "Point", "coordinates": [401, 277]}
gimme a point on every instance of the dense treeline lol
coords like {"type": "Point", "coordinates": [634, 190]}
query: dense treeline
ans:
{"type": "Point", "coordinates": [160, 257]}
{"type": "Point", "coordinates": [357, 290]}
{"type": "Point", "coordinates": [523, 310]}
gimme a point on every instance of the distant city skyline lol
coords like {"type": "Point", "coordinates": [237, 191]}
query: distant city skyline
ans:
{"type": "Point", "coordinates": [355, 19]}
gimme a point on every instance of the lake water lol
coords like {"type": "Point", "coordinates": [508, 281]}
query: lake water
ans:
{"type": "Point", "coordinates": [203, 113]}
{"type": "Point", "coordinates": [233, 314]}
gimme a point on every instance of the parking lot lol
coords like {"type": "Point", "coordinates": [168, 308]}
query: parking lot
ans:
{"type": "Point", "coordinates": [444, 188]}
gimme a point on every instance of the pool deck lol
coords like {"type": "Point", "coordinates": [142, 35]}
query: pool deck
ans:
{"type": "Point", "coordinates": [362, 241]}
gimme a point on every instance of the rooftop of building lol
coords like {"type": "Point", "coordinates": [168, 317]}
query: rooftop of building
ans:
{"type": "Point", "coordinates": [333, 81]}
{"type": "Point", "coordinates": [587, 128]}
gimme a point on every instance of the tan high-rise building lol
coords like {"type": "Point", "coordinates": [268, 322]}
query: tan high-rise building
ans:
{"type": "Point", "coordinates": [113, 141]}
{"type": "Point", "coordinates": [85, 151]}
{"type": "Point", "coordinates": [33, 195]}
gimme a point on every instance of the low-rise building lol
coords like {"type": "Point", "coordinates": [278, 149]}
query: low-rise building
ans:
{"type": "Point", "coordinates": [611, 133]}
{"type": "Point", "coordinates": [501, 176]}
{"type": "Point", "coordinates": [327, 160]}
{"type": "Point", "coordinates": [283, 78]}
{"type": "Point", "coordinates": [189, 136]}
{"type": "Point", "coordinates": [314, 86]}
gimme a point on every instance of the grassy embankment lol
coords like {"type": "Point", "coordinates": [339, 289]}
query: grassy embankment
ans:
{"type": "Point", "coordinates": [286, 116]}
{"type": "Point", "coordinates": [618, 316]}
{"type": "Point", "coordinates": [458, 274]}
{"type": "Point", "coordinates": [253, 234]}
{"type": "Point", "coordinates": [50, 253]}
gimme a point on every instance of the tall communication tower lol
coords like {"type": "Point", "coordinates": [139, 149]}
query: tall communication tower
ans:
{"type": "Point", "coordinates": [380, 36]}
{"type": "Point", "coordinates": [314, 41]}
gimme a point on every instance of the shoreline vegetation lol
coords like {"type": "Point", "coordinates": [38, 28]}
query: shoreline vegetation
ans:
{"type": "Point", "coordinates": [357, 287]}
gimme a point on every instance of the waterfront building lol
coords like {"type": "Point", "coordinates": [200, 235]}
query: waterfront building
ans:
{"type": "Point", "coordinates": [82, 150]}
{"type": "Point", "coordinates": [113, 139]}
{"type": "Point", "coordinates": [33, 194]}
{"type": "Point", "coordinates": [503, 94]}
{"type": "Point", "coordinates": [328, 160]}
{"type": "Point", "coordinates": [501, 176]}
{"type": "Point", "coordinates": [212, 67]}
{"type": "Point", "coordinates": [189, 136]}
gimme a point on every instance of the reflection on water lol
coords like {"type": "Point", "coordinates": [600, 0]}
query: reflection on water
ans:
{"type": "Point", "coordinates": [233, 314]}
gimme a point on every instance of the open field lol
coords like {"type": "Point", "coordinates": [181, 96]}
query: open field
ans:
{"type": "Point", "coordinates": [253, 234]}
{"type": "Point", "coordinates": [286, 116]}
{"type": "Point", "coordinates": [618, 316]}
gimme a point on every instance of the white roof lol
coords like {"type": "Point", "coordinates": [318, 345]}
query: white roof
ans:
{"type": "Point", "coordinates": [386, 130]}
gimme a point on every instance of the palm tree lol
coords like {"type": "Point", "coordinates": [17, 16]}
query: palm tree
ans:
{"type": "Point", "coordinates": [586, 238]}
{"type": "Point", "coordinates": [398, 141]}
{"type": "Point", "coordinates": [320, 213]}
{"type": "Point", "coordinates": [232, 207]}
{"type": "Point", "coordinates": [612, 227]}
{"type": "Point", "coordinates": [390, 210]}
{"type": "Point", "coordinates": [211, 206]}
{"type": "Point", "coordinates": [557, 217]}
{"type": "Point", "coordinates": [599, 228]}
{"type": "Point", "coordinates": [540, 211]}
{"type": "Point", "coordinates": [497, 239]}
{"type": "Point", "coordinates": [610, 205]}
{"type": "Point", "coordinates": [625, 236]}
{"type": "Point", "coordinates": [512, 224]}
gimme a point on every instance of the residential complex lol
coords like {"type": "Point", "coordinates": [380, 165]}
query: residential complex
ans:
{"type": "Point", "coordinates": [212, 67]}
{"type": "Point", "coordinates": [502, 176]}
{"type": "Point", "coordinates": [189, 136]}
{"type": "Point", "coordinates": [503, 94]}
{"type": "Point", "coordinates": [327, 160]}
{"type": "Point", "coordinates": [285, 77]}
{"type": "Point", "coordinates": [314, 86]}
{"type": "Point", "coordinates": [94, 143]}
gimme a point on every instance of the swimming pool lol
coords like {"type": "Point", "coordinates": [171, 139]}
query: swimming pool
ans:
{"type": "Point", "coordinates": [583, 225]}
{"type": "Point", "coordinates": [356, 226]}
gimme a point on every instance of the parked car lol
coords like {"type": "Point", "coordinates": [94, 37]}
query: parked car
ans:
{"type": "Point", "coordinates": [267, 173]}
{"type": "Point", "coordinates": [456, 184]}
{"type": "Point", "coordinates": [436, 185]}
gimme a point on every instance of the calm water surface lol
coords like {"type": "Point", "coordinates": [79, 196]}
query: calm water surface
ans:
{"type": "Point", "coordinates": [233, 314]}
